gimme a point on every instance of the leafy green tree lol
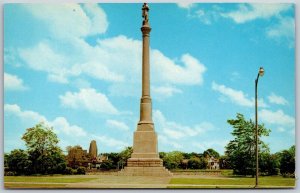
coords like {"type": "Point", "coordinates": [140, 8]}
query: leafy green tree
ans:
{"type": "Point", "coordinates": [287, 162]}
{"type": "Point", "coordinates": [173, 159]}
{"type": "Point", "coordinates": [125, 154]}
{"type": "Point", "coordinates": [45, 154]}
{"type": "Point", "coordinates": [224, 162]}
{"type": "Point", "coordinates": [211, 153]}
{"type": "Point", "coordinates": [162, 155]}
{"type": "Point", "coordinates": [268, 164]}
{"type": "Point", "coordinates": [241, 150]}
{"type": "Point", "coordinates": [194, 163]}
{"type": "Point", "coordinates": [113, 159]}
{"type": "Point", "coordinates": [197, 163]}
{"type": "Point", "coordinates": [18, 162]}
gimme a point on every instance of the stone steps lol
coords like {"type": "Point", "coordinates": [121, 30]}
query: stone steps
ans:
{"type": "Point", "coordinates": [145, 171]}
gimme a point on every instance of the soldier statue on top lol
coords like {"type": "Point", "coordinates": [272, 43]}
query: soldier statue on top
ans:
{"type": "Point", "coordinates": [145, 13]}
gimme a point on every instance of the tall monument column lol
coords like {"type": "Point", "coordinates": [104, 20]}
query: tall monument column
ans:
{"type": "Point", "coordinates": [145, 159]}
{"type": "Point", "coordinates": [146, 105]}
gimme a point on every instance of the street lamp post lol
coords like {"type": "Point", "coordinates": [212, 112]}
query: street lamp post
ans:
{"type": "Point", "coordinates": [260, 73]}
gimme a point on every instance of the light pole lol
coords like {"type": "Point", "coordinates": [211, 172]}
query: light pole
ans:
{"type": "Point", "coordinates": [260, 73]}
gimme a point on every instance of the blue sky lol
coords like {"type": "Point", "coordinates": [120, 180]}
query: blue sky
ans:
{"type": "Point", "coordinates": [77, 67]}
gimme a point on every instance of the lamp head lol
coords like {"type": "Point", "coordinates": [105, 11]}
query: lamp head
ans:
{"type": "Point", "coordinates": [261, 71]}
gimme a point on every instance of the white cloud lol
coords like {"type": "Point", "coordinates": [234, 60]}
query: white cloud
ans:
{"type": "Point", "coordinates": [43, 58]}
{"type": "Point", "coordinates": [111, 142]}
{"type": "Point", "coordinates": [60, 124]}
{"type": "Point", "coordinates": [279, 100]}
{"type": "Point", "coordinates": [28, 116]}
{"type": "Point", "coordinates": [165, 70]}
{"type": "Point", "coordinates": [165, 91]}
{"type": "Point", "coordinates": [283, 31]}
{"type": "Point", "coordinates": [249, 12]}
{"type": "Point", "coordinates": [278, 118]}
{"type": "Point", "coordinates": [13, 82]}
{"type": "Point", "coordinates": [107, 60]}
{"type": "Point", "coordinates": [70, 20]}
{"type": "Point", "coordinates": [236, 96]}
{"type": "Point", "coordinates": [177, 131]}
{"type": "Point", "coordinates": [185, 5]}
{"type": "Point", "coordinates": [113, 124]}
{"type": "Point", "coordinates": [88, 99]}
{"type": "Point", "coordinates": [164, 140]}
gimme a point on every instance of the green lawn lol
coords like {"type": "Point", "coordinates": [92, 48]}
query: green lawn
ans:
{"type": "Point", "coordinates": [264, 182]}
{"type": "Point", "coordinates": [48, 179]}
{"type": "Point", "coordinates": [8, 185]}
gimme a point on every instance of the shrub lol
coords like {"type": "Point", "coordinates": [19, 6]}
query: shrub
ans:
{"type": "Point", "coordinates": [10, 173]}
{"type": "Point", "coordinates": [68, 170]}
{"type": "Point", "coordinates": [81, 170]}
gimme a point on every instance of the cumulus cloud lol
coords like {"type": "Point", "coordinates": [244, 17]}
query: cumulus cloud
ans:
{"type": "Point", "coordinates": [60, 124]}
{"type": "Point", "coordinates": [279, 100]}
{"type": "Point", "coordinates": [276, 117]}
{"type": "Point", "coordinates": [88, 99]}
{"type": "Point", "coordinates": [13, 82]}
{"type": "Point", "coordinates": [109, 61]}
{"type": "Point", "coordinates": [70, 20]}
{"type": "Point", "coordinates": [42, 58]}
{"type": "Point", "coordinates": [114, 124]}
{"type": "Point", "coordinates": [111, 142]}
{"type": "Point", "coordinates": [249, 12]}
{"type": "Point", "coordinates": [166, 70]}
{"type": "Point", "coordinates": [31, 116]}
{"type": "Point", "coordinates": [236, 96]}
{"type": "Point", "coordinates": [178, 131]}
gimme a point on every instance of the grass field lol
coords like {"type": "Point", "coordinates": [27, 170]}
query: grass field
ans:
{"type": "Point", "coordinates": [47, 179]}
{"type": "Point", "coordinates": [264, 182]}
{"type": "Point", "coordinates": [114, 181]}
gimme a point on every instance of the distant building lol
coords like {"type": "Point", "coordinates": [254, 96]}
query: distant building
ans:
{"type": "Point", "coordinates": [212, 163]}
{"type": "Point", "coordinates": [93, 151]}
{"type": "Point", "coordinates": [79, 157]}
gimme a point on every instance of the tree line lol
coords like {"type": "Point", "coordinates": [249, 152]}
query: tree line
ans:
{"type": "Point", "coordinates": [44, 156]}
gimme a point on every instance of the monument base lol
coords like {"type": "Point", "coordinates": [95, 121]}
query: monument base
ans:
{"type": "Point", "coordinates": [145, 171]}
{"type": "Point", "coordinates": [144, 167]}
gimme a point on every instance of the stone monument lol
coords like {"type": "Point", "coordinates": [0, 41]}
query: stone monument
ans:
{"type": "Point", "coordinates": [145, 159]}
{"type": "Point", "coordinates": [93, 151]}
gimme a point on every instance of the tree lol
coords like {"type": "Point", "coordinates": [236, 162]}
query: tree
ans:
{"type": "Point", "coordinates": [46, 156]}
{"type": "Point", "coordinates": [241, 150]}
{"type": "Point", "coordinates": [268, 164]}
{"type": "Point", "coordinates": [287, 162]}
{"type": "Point", "coordinates": [211, 153]}
{"type": "Point", "coordinates": [113, 158]}
{"type": "Point", "coordinates": [197, 163]}
{"type": "Point", "coordinates": [173, 159]}
{"type": "Point", "coordinates": [18, 162]}
{"type": "Point", "coordinates": [224, 162]}
{"type": "Point", "coordinates": [126, 154]}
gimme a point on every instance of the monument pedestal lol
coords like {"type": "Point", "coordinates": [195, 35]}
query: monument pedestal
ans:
{"type": "Point", "coordinates": [145, 159]}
